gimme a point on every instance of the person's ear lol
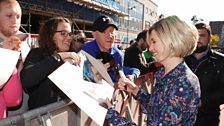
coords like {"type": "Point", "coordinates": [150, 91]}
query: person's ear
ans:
{"type": "Point", "coordinates": [94, 34]}
{"type": "Point", "coordinates": [141, 41]}
{"type": "Point", "coordinates": [210, 38]}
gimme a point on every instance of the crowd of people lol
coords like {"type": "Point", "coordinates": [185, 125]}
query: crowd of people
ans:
{"type": "Point", "coordinates": [189, 82]}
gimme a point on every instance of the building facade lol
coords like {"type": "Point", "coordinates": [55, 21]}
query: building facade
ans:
{"type": "Point", "coordinates": [132, 16]}
{"type": "Point", "coordinates": [150, 13]}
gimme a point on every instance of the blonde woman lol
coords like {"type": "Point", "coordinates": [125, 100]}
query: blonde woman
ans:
{"type": "Point", "coordinates": [176, 93]}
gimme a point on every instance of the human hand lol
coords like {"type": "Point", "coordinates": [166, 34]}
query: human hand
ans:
{"type": "Point", "coordinates": [108, 104]}
{"type": "Point", "coordinates": [128, 85]}
{"type": "Point", "coordinates": [221, 116]}
{"type": "Point", "coordinates": [131, 77]}
{"type": "Point", "coordinates": [97, 77]}
{"type": "Point", "coordinates": [221, 107]}
{"type": "Point", "coordinates": [71, 57]}
{"type": "Point", "coordinates": [12, 43]}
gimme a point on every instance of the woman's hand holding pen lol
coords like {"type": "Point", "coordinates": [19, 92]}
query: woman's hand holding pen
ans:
{"type": "Point", "coordinates": [127, 85]}
{"type": "Point", "coordinates": [131, 77]}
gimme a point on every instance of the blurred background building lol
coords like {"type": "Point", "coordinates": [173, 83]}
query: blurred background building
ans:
{"type": "Point", "coordinates": [132, 16]}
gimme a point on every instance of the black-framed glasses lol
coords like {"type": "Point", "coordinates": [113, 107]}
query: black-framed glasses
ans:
{"type": "Point", "coordinates": [65, 33]}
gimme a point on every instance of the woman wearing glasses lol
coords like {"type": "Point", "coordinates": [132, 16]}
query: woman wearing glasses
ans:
{"type": "Point", "coordinates": [54, 41]}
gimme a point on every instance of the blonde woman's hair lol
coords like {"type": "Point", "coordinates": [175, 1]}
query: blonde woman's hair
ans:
{"type": "Point", "coordinates": [178, 37]}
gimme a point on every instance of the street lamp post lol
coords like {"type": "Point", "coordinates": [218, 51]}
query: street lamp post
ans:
{"type": "Point", "coordinates": [129, 8]}
{"type": "Point", "coordinates": [128, 22]}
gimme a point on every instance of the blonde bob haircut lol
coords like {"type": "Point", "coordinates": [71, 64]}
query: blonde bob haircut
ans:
{"type": "Point", "coordinates": [178, 37]}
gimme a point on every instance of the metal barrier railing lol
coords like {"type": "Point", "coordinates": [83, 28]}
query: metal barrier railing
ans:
{"type": "Point", "coordinates": [68, 114]}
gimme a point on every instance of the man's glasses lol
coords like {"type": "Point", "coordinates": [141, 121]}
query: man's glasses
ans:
{"type": "Point", "coordinates": [65, 33]}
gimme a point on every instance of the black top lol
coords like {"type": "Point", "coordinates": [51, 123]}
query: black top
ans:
{"type": "Point", "coordinates": [35, 81]}
{"type": "Point", "coordinates": [210, 72]}
{"type": "Point", "coordinates": [133, 57]}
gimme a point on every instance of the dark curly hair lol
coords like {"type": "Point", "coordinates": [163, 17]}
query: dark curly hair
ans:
{"type": "Point", "coordinates": [47, 31]}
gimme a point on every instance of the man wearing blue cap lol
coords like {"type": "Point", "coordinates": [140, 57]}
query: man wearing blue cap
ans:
{"type": "Point", "coordinates": [104, 34]}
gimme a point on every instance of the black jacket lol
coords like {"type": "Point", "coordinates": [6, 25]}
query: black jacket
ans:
{"type": "Point", "coordinates": [133, 57]}
{"type": "Point", "coordinates": [210, 71]}
{"type": "Point", "coordinates": [35, 81]}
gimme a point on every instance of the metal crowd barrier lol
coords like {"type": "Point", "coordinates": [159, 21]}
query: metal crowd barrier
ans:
{"type": "Point", "coordinates": [68, 114]}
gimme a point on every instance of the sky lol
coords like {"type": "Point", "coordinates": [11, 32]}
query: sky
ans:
{"type": "Point", "coordinates": [208, 10]}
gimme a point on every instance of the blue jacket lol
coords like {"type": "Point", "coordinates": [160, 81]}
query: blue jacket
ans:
{"type": "Point", "coordinates": [92, 48]}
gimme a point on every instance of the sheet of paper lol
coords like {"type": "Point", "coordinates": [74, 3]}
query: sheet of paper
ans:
{"type": "Point", "coordinates": [86, 95]}
{"type": "Point", "coordinates": [98, 65]}
{"type": "Point", "coordinates": [9, 59]}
